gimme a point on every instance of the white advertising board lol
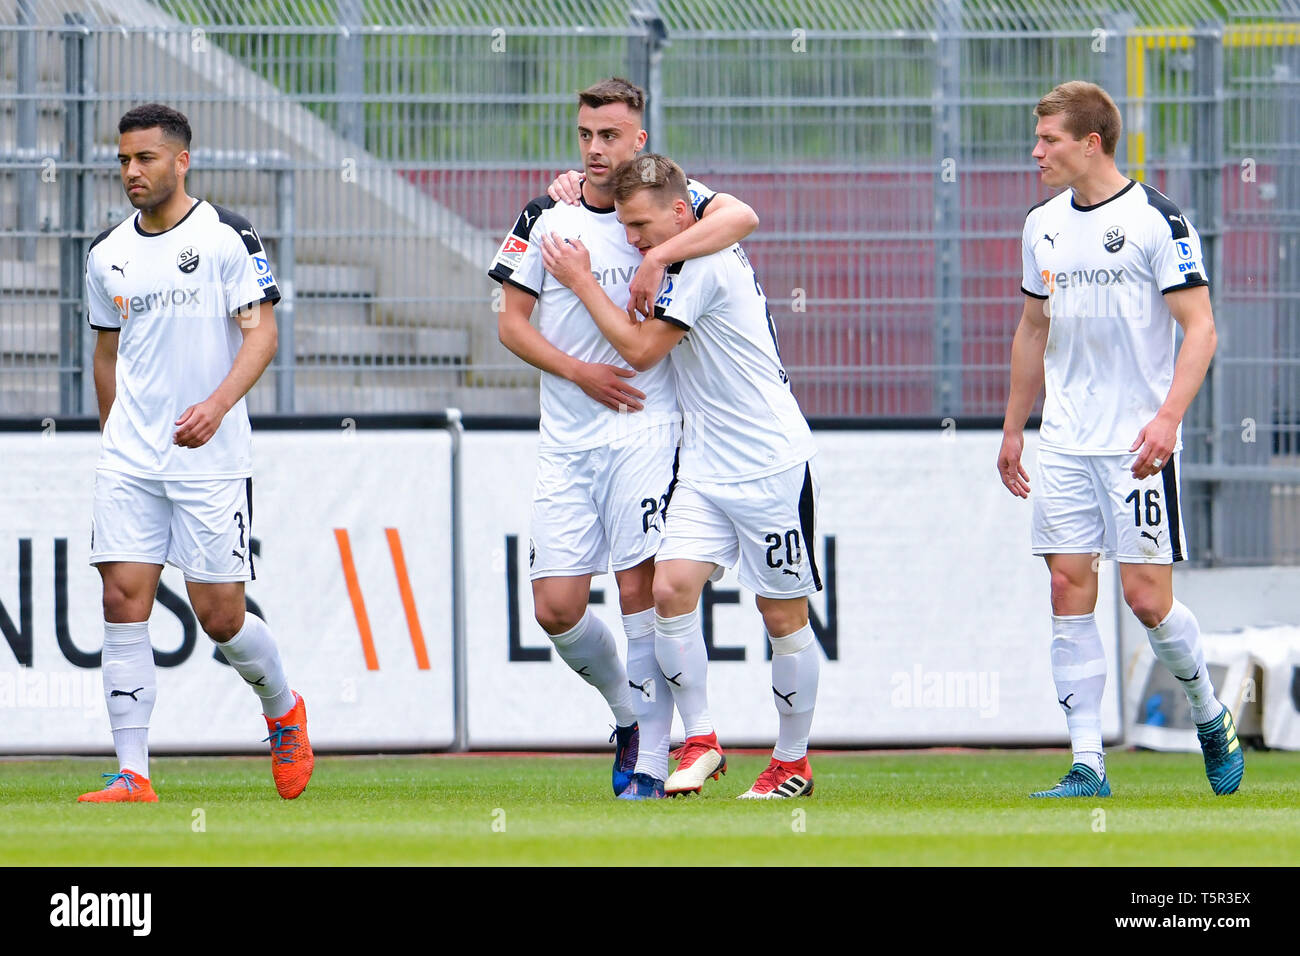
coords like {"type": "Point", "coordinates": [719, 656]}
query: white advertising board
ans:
{"type": "Point", "coordinates": [380, 497]}
{"type": "Point", "coordinates": [935, 618]}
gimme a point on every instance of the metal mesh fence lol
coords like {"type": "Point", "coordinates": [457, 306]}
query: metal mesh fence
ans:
{"type": "Point", "coordinates": [383, 147]}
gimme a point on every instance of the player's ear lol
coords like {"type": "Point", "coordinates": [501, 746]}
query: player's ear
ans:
{"type": "Point", "coordinates": [183, 162]}
{"type": "Point", "coordinates": [641, 137]}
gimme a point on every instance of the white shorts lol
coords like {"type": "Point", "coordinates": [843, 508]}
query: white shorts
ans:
{"type": "Point", "coordinates": [599, 508]}
{"type": "Point", "coordinates": [763, 527]}
{"type": "Point", "coordinates": [204, 527]}
{"type": "Point", "coordinates": [1092, 504]}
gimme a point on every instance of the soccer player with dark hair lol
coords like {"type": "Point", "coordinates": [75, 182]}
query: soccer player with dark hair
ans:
{"type": "Point", "coordinates": [181, 296]}
{"type": "Point", "coordinates": [1110, 266]}
{"type": "Point", "coordinates": [609, 434]}
{"type": "Point", "coordinates": [746, 490]}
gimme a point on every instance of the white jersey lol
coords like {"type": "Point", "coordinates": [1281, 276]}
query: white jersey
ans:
{"type": "Point", "coordinates": [741, 421]}
{"type": "Point", "coordinates": [1109, 361]}
{"type": "Point", "coordinates": [175, 296]}
{"type": "Point", "coordinates": [570, 420]}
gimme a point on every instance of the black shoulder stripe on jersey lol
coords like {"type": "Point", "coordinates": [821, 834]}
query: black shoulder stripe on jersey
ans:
{"type": "Point", "coordinates": [1032, 295]}
{"type": "Point", "coordinates": [1165, 206]}
{"type": "Point", "coordinates": [100, 238]}
{"type": "Point", "coordinates": [661, 314]}
{"type": "Point", "coordinates": [528, 218]}
{"type": "Point", "coordinates": [1041, 202]}
{"type": "Point", "coordinates": [675, 267]}
{"type": "Point", "coordinates": [252, 241]}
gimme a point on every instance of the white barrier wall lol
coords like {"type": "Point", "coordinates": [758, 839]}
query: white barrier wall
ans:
{"type": "Point", "coordinates": [934, 621]}
{"type": "Point", "coordinates": [313, 493]}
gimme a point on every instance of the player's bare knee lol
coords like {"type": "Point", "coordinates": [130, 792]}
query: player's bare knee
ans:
{"type": "Point", "coordinates": [1146, 603]}
{"type": "Point", "coordinates": [672, 597]}
{"type": "Point", "coordinates": [221, 624]}
{"type": "Point", "coordinates": [1069, 595]}
{"type": "Point", "coordinates": [782, 616]}
{"type": "Point", "coordinates": [123, 607]}
{"type": "Point", "coordinates": [556, 619]}
{"type": "Point", "coordinates": [635, 593]}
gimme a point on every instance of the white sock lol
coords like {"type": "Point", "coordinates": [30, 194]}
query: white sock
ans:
{"type": "Point", "coordinates": [680, 651]}
{"type": "Point", "coordinates": [1079, 670]}
{"type": "Point", "coordinates": [254, 656]}
{"type": "Point", "coordinates": [1177, 643]}
{"type": "Point", "coordinates": [796, 664]}
{"type": "Point", "coordinates": [653, 699]}
{"type": "Point", "coordinates": [130, 688]}
{"type": "Point", "coordinates": [588, 648]}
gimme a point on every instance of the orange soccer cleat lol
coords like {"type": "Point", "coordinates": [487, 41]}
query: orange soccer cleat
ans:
{"type": "Point", "coordinates": [291, 757]}
{"type": "Point", "coordinates": [782, 778]}
{"type": "Point", "coordinates": [125, 786]}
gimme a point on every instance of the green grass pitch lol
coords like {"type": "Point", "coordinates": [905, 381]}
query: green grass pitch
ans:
{"type": "Point", "coordinates": [894, 808]}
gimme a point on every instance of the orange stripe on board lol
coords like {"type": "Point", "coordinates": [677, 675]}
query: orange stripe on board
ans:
{"type": "Point", "coordinates": [408, 599]}
{"type": "Point", "coordinates": [358, 603]}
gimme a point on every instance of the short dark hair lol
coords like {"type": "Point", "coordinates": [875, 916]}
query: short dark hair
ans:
{"type": "Point", "coordinates": [653, 172]}
{"type": "Point", "coordinates": [1087, 108]}
{"type": "Point", "coordinates": [172, 122]}
{"type": "Point", "coordinates": [614, 90]}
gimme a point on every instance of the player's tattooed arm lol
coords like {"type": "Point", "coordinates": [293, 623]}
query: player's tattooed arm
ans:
{"type": "Point", "coordinates": [725, 221]}
{"type": "Point", "coordinates": [1157, 440]}
{"type": "Point", "coordinates": [105, 365]}
{"type": "Point", "coordinates": [605, 384]}
{"type": "Point", "coordinates": [1027, 349]}
{"type": "Point", "coordinates": [198, 423]}
{"type": "Point", "coordinates": [642, 344]}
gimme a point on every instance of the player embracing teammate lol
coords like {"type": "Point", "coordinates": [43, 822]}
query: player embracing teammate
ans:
{"type": "Point", "coordinates": [609, 434]}
{"type": "Point", "coordinates": [746, 489]}
{"type": "Point", "coordinates": [1110, 265]}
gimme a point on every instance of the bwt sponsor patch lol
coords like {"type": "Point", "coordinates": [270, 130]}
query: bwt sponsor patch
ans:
{"type": "Point", "coordinates": [261, 265]}
{"type": "Point", "coordinates": [1184, 248]}
{"type": "Point", "coordinates": [666, 296]}
{"type": "Point", "coordinates": [512, 252]}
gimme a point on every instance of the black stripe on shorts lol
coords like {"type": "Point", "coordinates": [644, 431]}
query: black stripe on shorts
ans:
{"type": "Point", "coordinates": [807, 523]}
{"type": "Point", "coordinates": [248, 496]}
{"type": "Point", "coordinates": [1172, 508]}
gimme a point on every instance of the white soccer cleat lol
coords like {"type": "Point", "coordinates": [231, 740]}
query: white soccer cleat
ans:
{"type": "Point", "coordinates": [699, 759]}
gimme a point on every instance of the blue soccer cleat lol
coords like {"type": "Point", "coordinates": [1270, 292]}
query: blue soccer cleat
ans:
{"type": "Point", "coordinates": [1225, 764]}
{"type": "Point", "coordinates": [1081, 781]}
{"type": "Point", "coordinates": [627, 742]}
{"type": "Point", "coordinates": [643, 787]}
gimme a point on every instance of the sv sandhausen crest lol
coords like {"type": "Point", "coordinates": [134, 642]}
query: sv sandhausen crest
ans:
{"type": "Point", "coordinates": [187, 260]}
{"type": "Point", "coordinates": [1114, 239]}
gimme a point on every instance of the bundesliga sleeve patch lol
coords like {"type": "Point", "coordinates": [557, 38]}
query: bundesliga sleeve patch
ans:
{"type": "Point", "coordinates": [511, 253]}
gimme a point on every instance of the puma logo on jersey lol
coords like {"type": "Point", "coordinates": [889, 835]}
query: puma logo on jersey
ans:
{"type": "Point", "coordinates": [528, 220]}
{"type": "Point", "coordinates": [1155, 537]}
{"type": "Point", "coordinates": [788, 571]}
{"type": "Point", "coordinates": [251, 235]}
{"type": "Point", "coordinates": [127, 693]}
{"type": "Point", "coordinates": [121, 268]}
{"type": "Point", "coordinates": [1051, 239]}
{"type": "Point", "coordinates": [1066, 703]}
